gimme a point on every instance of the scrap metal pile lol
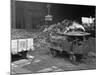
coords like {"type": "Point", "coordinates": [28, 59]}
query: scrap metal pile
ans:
{"type": "Point", "coordinates": [64, 27]}
{"type": "Point", "coordinates": [21, 34]}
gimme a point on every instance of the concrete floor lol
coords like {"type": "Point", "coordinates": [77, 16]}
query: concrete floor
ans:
{"type": "Point", "coordinates": [44, 62]}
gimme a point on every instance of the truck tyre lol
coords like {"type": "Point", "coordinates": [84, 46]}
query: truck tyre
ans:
{"type": "Point", "coordinates": [72, 58]}
{"type": "Point", "coordinates": [54, 53]}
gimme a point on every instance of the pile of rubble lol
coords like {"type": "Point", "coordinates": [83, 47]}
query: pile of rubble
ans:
{"type": "Point", "coordinates": [22, 34]}
{"type": "Point", "coordinates": [64, 27]}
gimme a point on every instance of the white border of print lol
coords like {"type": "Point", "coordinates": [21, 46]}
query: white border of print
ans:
{"type": "Point", "coordinates": [5, 37]}
{"type": "Point", "coordinates": [85, 2]}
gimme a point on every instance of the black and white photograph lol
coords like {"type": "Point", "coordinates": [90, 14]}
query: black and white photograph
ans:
{"type": "Point", "coordinates": [52, 37]}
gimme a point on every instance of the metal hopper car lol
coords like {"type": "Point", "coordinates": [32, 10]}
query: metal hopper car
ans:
{"type": "Point", "coordinates": [72, 43]}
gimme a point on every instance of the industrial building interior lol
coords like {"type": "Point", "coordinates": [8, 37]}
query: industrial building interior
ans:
{"type": "Point", "coordinates": [52, 37]}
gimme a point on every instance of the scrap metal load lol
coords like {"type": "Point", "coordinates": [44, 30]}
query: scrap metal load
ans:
{"type": "Point", "coordinates": [65, 26]}
{"type": "Point", "coordinates": [67, 36]}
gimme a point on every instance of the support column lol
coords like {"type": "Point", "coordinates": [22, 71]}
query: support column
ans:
{"type": "Point", "coordinates": [13, 25]}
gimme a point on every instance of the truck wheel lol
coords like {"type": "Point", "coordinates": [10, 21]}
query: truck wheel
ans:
{"type": "Point", "coordinates": [72, 58]}
{"type": "Point", "coordinates": [54, 53]}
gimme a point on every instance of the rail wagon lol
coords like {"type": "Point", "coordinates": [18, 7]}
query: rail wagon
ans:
{"type": "Point", "coordinates": [73, 43]}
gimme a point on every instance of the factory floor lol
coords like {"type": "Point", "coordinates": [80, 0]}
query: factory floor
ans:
{"type": "Point", "coordinates": [44, 62]}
